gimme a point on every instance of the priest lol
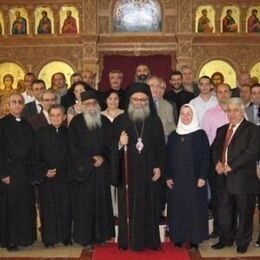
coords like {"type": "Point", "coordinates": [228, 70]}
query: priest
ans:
{"type": "Point", "coordinates": [89, 172]}
{"type": "Point", "coordinates": [17, 211]}
{"type": "Point", "coordinates": [51, 161]}
{"type": "Point", "coordinates": [142, 133]}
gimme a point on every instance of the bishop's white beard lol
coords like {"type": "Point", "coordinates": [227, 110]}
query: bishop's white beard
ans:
{"type": "Point", "coordinates": [93, 118]}
{"type": "Point", "coordinates": [138, 114]}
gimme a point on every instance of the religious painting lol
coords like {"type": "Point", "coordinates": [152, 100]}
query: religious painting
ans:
{"type": "Point", "coordinates": [55, 66]}
{"type": "Point", "coordinates": [223, 67]}
{"type": "Point", "coordinates": [19, 21]}
{"type": "Point", "coordinates": [44, 22]}
{"type": "Point", "coordinates": [1, 24]}
{"type": "Point", "coordinates": [137, 16]}
{"type": "Point", "coordinates": [69, 20]}
{"type": "Point", "coordinates": [255, 72]}
{"type": "Point", "coordinates": [230, 19]}
{"type": "Point", "coordinates": [253, 19]}
{"type": "Point", "coordinates": [13, 69]}
{"type": "Point", "coordinates": [205, 19]}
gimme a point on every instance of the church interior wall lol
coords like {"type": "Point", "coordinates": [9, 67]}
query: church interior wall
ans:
{"type": "Point", "coordinates": [95, 37]}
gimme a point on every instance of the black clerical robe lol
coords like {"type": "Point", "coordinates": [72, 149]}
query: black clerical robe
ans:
{"type": "Point", "coordinates": [51, 151]}
{"type": "Point", "coordinates": [17, 212]}
{"type": "Point", "coordinates": [91, 202]}
{"type": "Point", "coordinates": [144, 197]}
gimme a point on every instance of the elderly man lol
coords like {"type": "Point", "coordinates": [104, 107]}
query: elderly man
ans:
{"type": "Point", "coordinates": [142, 73]}
{"type": "Point", "coordinates": [164, 108]}
{"type": "Point", "coordinates": [51, 161]}
{"type": "Point", "coordinates": [89, 171]}
{"type": "Point", "coordinates": [234, 153]}
{"type": "Point", "coordinates": [17, 214]}
{"type": "Point", "coordinates": [142, 133]}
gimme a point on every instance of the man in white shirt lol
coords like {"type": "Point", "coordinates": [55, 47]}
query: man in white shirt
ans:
{"type": "Point", "coordinates": [28, 96]}
{"type": "Point", "coordinates": [205, 100]}
{"type": "Point", "coordinates": [34, 107]}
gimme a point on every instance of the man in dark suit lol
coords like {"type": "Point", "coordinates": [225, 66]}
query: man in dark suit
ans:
{"type": "Point", "coordinates": [234, 154]}
{"type": "Point", "coordinates": [40, 120]}
{"type": "Point", "coordinates": [34, 107]}
{"type": "Point", "coordinates": [253, 115]}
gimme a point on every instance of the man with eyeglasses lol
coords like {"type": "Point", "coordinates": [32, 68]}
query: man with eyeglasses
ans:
{"type": "Point", "coordinates": [141, 131]}
{"type": "Point", "coordinates": [17, 214]}
{"type": "Point", "coordinates": [40, 120]}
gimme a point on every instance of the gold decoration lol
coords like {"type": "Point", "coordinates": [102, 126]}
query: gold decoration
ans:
{"type": "Point", "coordinates": [255, 71]}
{"type": "Point", "coordinates": [55, 66]}
{"type": "Point", "coordinates": [225, 68]}
{"type": "Point", "coordinates": [11, 68]}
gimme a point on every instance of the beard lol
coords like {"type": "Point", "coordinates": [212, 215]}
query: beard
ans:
{"type": "Point", "coordinates": [93, 118]}
{"type": "Point", "coordinates": [138, 114]}
{"type": "Point", "coordinates": [141, 78]}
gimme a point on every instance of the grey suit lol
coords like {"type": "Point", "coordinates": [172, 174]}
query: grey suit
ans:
{"type": "Point", "coordinates": [250, 115]}
{"type": "Point", "coordinates": [165, 112]}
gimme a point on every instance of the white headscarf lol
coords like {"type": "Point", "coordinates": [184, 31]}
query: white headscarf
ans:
{"type": "Point", "coordinates": [193, 126]}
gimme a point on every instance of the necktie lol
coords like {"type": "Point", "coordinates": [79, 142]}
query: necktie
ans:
{"type": "Point", "coordinates": [226, 143]}
{"type": "Point", "coordinates": [41, 108]}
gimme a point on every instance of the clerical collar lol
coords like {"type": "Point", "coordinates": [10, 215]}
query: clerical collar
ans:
{"type": "Point", "coordinates": [18, 119]}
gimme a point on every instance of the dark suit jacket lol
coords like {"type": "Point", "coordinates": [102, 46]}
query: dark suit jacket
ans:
{"type": "Point", "coordinates": [242, 155]}
{"type": "Point", "coordinates": [30, 110]}
{"type": "Point", "coordinates": [38, 121]}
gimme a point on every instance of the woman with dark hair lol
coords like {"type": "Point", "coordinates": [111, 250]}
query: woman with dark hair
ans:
{"type": "Point", "coordinates": [112, 102]}
{"type": "Point", "coordinates": [75, 93]}
{"type": "Point", "coordinates": [111, 112]}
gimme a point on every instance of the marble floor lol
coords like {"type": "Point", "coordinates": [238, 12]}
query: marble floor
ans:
{"type": "Point", "coordinates": [38, 251]}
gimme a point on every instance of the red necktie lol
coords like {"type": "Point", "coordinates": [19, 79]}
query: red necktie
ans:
{"type": "Point", "coordinates": [227, 140]}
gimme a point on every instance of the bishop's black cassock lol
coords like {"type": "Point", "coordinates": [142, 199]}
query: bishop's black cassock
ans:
{"type": "Point", "coordinates": [91, 202]}
{"type": "Point", "coordinates": [17, 212]}
{"type": "Point", "coordinates": [144, 194]}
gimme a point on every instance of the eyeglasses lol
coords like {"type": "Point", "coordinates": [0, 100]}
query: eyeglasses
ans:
{"type": "Point", "coordinates": [49, 99]}
{"type": "Point", "coordinates": [142, 100]}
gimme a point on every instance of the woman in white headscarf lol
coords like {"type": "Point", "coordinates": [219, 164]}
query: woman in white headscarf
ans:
{"type": "Point", "coordinates": [188, 156]}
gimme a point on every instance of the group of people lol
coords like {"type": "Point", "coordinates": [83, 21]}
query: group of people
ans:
{"type": "Point", "coordinates": [85, 157]}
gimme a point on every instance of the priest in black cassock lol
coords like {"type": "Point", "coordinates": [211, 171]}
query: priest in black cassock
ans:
{"type": "Point", "coordinates": [51, 161]}
{"type": "Point", "coordinates": [90, 174]}
{"type": "Point", "coordinates": [17, 212]}
{"type": "Point", "coordinates": [142, 132]}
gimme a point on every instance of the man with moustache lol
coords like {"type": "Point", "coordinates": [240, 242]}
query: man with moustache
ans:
{"type": "Point", "coordinates": [142, 73]}
{"type": "Point", "coordinates": [178, 94]}
{"type": "Point", "coordinates": [142, 132]}
{"type": "Point", "coordinates": [235, 151]}
{"type": "Point", "coordinates": [89, 172]}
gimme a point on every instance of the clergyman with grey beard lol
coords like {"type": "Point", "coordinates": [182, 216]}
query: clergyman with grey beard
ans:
{"type": "Point", "coordinates": [89, 136]}
{"type": "Point", "coordinates": [142, 132]}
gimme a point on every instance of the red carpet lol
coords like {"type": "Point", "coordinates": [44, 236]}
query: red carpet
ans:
{"type": "Point", "coordinates": [110, 252]}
